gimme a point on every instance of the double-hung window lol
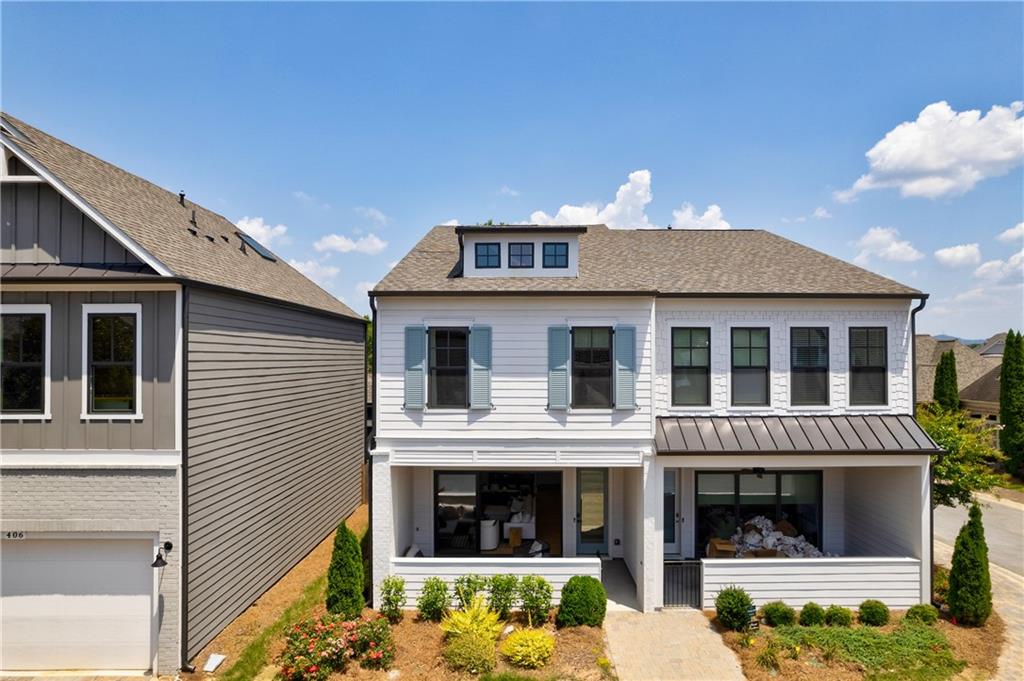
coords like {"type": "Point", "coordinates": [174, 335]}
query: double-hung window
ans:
{"type": "Point", "coordinates": [520, 256]}
{"type": "Point", "coordinates": [750, 372]}
{"type": "Point", "coordinates": [112, 358]}
{"type": "Point", "coordinates": [448, 379]}
{"type": "Point", "coordinates": [591, 367]}
{"type": "Point", "coordinates": [556, 255]}
{"type": "Point", "coordinates": [691, 367]}
{"type": "Point", "coordinates": [868, 365]}
{"type": "Point", "coordinates": [25, 362]}
{"type": "Point", "coordinates": [808, 377]}
{"type": "Point", "coordinates": [488, 256]}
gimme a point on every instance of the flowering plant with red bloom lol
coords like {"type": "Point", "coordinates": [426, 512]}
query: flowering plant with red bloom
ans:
{"type": "Point", "coordinates": [373, 645]}
{"type": "Point", "coordinates": [315, 649]}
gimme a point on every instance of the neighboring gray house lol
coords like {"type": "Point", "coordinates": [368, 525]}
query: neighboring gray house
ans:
{"type": "Point", "coordinates": [182, 415]}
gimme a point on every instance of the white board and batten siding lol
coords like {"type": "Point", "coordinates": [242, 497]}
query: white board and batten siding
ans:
{"type": "Point", "coordinates": [557, 571]}
{"type": "Point", "coordinates": [826, 581]}
{"type": "Point", "coordinates": [519, 372]}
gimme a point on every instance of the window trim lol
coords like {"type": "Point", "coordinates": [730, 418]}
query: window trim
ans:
{"type": "Point", "coordinates": [811, 324]}
{"type": "Point", "coordinates": [43, 309]}
{"type": "Point", "coordinates": [111, 308]}
{"type": "Point", "coordinates": [672, 368]}
{"type": "Point", "coordinates": [888, 365]}
{"type": "Point", "coordinates": [611, 361]}
{"type": "Point", "coordinates": [532, 255]}
{"type": "Point", "coordinates": [476, 255]}
{"type": "Point", "coordinates": [752, 325]}
{"type": "Point", "coordinates": [468, 328]}
{"type": "Point", "coordinates": [543, 259]}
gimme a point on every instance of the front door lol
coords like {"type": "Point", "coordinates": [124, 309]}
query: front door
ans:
{"type": "Point", "coordinates": [671, 511]}
{"type": "Point", "coordinates": [591, 511]}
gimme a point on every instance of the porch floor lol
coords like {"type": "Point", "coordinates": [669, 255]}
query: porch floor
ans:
{"type": "Point", "coordinates": [620, 586]}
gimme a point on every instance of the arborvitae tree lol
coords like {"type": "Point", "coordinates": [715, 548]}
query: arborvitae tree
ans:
{"type": "Point", "coordinates": [945, 392]}
{"type": "Point", "coordinates": [1011, 402]}
{"type": "Point", "coordinates": [345, 575]}
{"type": "Point", "coordinates": [970, 587]}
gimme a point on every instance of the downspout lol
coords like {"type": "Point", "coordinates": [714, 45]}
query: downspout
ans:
{"type": "Point", "coordinates": [931, 469]}
{"type": "Point", "coordinates": [913, 352]}
{"type": "Point", "coordinates": [371, 442]}
{"type": "Point", "coordinates": [183, 530]}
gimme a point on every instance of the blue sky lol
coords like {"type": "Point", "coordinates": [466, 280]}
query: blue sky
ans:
{"type": "Point", "coordinates": [373, 122]}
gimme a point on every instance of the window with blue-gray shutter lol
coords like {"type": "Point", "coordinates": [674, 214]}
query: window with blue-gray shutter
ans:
{"type": "Point", "coordinates": [625, 367]}
{"type": "Point", "coordinates": [480, 367]}
{"type": "Point", "coordinates": [558, 367]}
{"type": "Point", "coordinates": [415, 369]}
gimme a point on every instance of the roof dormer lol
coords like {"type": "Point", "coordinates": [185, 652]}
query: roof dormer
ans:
{"type": "Point", "coordinates": [520, 250]}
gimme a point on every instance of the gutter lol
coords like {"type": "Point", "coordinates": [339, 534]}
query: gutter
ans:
{"type": "Point", "coordinates": [931, 468]}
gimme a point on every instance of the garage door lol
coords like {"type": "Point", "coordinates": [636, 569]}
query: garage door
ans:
{"type": "Point", "coordinates": [76, 604]}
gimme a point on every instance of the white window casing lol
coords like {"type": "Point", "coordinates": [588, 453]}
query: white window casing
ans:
{"type": "Point", "coordinates": [111, 308]}
{"type": "Point", "coordinates": [43, 309]}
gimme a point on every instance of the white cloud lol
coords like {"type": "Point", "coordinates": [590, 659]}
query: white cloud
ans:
{"type": "Point", "coordinates": [364, 287]}
{"type": "Point", "coordinates": [884, 243]}
{"type": "Point", "coordinates": [821, 213]}
{"type": "Point", "coordinates": [261, 231]}
{"type": "Point", "coordinates": [374, 215]}
{"type": "Point", "coordinates": [391, 265]}
{"type": "Point", "coordinates": [316, 270]}
{"type": "Point", "coordinates": [508, 191]}
{"type": "Point", "coordinates": [1013, 234]}
{"type": "Point", "coordinates": [309, 199]}
{"type": "Point", "coordinates": [959, 256]}
{"type": "Point", "coordinates": [370, 244]}
{"type": "Point", "coordinates": [997, 270]}
{"type": "Point", "coordinates": [944, 152]}
{"type": "Point", "coordinates": [685, 217]}
{"type": "Point", "coordinates": [454, 222]}
{"type": "Point", "coordinates": [625, 212]}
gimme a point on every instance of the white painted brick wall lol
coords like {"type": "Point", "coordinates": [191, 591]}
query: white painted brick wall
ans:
{"type": "Point", "coordinates": [105, 501]}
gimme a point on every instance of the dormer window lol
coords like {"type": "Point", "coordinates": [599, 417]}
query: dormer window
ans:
{"type": "Point", "coordinates": [520, 255]}
{"type": "Point", "coordinates": [488, 256]}
{"type": "Point", "coordinates": [556, 255]}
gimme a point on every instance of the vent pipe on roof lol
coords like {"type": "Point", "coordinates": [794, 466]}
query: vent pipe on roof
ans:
{"type": "Point", "coordinates": [181, 198]}
{"type": "Point", "coordinates": [193, 220]}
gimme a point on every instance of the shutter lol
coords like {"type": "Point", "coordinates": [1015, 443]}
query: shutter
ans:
{"type": "Point", "coordinates": [415, 366]}
{"type": "Point", "coordinates": [558, 367]}
{"type": "Point", "coordinates": [480, 367]}
{"type": "Point", "coordinates": [624, 346]}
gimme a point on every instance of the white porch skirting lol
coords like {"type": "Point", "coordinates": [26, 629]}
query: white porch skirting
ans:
{"type": "Point", "coordinates": [556, 570]}
{"type": "Point", "coordinates": [826, 581]}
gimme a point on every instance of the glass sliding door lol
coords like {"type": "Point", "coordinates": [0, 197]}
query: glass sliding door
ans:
{"type": "Point", "coordinates": [456, 529]}
{"type": "Point", "coordinates": [670, 511]}
{"type": "Point", "coordinates": [591, 511]}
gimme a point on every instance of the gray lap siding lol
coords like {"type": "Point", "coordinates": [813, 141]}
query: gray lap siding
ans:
{"type": "Point", "coordinates": [275, 441]}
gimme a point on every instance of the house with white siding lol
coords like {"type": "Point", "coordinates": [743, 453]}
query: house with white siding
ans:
{"type": "Point", "coordinates": [676, 410]}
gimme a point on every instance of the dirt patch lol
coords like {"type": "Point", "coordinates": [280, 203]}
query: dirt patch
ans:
{"type": "Point", "coordinates": [274, 601]}
{"type": "Point", "coordinates": [979, 647]}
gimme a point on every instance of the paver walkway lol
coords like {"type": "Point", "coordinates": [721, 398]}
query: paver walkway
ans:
{"type": "Point", "coordinates": [670, 645]}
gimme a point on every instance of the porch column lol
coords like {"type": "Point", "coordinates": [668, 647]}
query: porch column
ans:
{"type": "Point", "coordinates": [382, 519]}
{"type": "Point", "coordinates": [927, 535]}
{"type": "Point", "coordinates": [650, 589]}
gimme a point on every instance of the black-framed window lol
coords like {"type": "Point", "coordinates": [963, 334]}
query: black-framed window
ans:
{"type": "Point", "coordinates": [112, 358]}
{"type": "Point", "coordinates": [22, 364]}
{"type": "Point", "coordinates": [520, 255]}
{"type": "Point", "coordinates": [448, 379]}
{"type": "Point", "coordinates": [691, 366]}
{"type": "Point", "coordinates": [488, 256]}
{"type": "Point", "coordinates": [808, 355]}
{"type": "Point", "coordinates": [868, 365]}
{"type": "Point", "coordinates": [591, 367]}
{"type": "Point", "coordinates": [726, 501]}
{"type": "Point", "coordinates": [750, 369]}
{"type": "Point", "coordinates": [556, 255]}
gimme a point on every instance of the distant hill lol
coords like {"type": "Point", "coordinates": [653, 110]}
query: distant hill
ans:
{"type": "Point", "coordinates": [966, 341]}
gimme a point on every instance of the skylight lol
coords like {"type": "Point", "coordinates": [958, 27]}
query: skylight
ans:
{"type": "Point", "coordinates": [256, 246]}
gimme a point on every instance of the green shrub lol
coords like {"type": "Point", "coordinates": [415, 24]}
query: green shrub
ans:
{"type": "Point", "coordinates": [316, 648]}
{"type": "Point", "coordinates": [470, 653]}
{"type": "Point", "coordinates": [345, 575]}
{"type": "Point", "coordinates": [392, 598]}
{"type": "Point", "coordinates": [475, 619]}
{"type": "Point", "coordinates": [778, 614]}
{"type": "Point", "coordinates": [434, 599]}
{"type": "Point", "coordinates": [970, 586]}
{"type": "Point", "coordinates": [373, 645]}
{"type": "Point", "coordinates": [812, 615]}
{"type": "Point", "coordinates": [732, 607]}
{"type": "Point", "coordinates": [940, 584]}
{"type": "Point", "coordinates": [584, 602]}
{"type": "Point", "coordinates": [838, 616]}
{"type": "Point", "coordinates": [528, 648]}
{"type": "Point", "coordinates": [501, 592]}
{"type": "Point", "coordinates": [467, 587]}
{"type": "Point", "coordinates": [926, 613]}
{"type": "Point", "coordinates": [873, 613]}
{"type": "Point", "coordinates": [535, 598]}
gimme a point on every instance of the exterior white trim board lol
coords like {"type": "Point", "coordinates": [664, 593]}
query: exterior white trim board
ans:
{"type": "Point", "coordinates": [67, 458]}
{"type": "Point", "coordinates": [111, 308]}
{"type": "Point", "coordinates": [43, 309]}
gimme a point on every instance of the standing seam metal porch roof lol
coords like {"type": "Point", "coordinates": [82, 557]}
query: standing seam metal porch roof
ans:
{"type": "Point", "coordinates": [791, 434]}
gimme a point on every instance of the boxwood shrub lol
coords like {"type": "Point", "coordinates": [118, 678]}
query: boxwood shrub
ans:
{"type": "Point", "coordinates": [812, 615]}
{"type": "Point", "coordinates": [926, 613]}
{"type": "Point", "coordinates": [838, 616]}
{"type": "Point", "coordinates": [584, 602]}
{"type": "Point", "coordinates": [873, 613]}
{"type": "Point", "coordinates": [732, 608]}
{"type": "Point", "coordinates": [778, 614]}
